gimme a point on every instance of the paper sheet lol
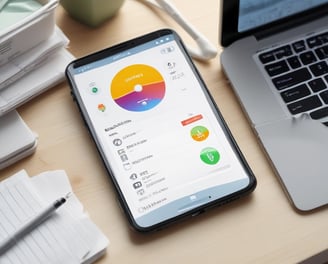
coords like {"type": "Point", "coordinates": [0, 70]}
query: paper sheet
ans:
{"type": "Point", "coordinates": [36, 82]}
{"type": "Point", "coordinates": [31, 59]}
{"type": "Point", "coordinates": [34, 72]}
{"type": "Point", "coordinates": [68, 236]}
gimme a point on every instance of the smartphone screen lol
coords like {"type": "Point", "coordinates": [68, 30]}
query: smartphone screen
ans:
{"type": "Point", "coordinates": [159, 133]}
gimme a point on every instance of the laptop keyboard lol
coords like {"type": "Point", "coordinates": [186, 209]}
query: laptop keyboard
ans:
{"type": "Point", "coordinates": [299, 71]}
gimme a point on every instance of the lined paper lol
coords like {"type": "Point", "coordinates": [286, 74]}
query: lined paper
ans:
{"type": "Point", "coordinates": [62, 238]}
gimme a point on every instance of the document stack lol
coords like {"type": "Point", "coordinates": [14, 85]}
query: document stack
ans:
{"type": "Point", "coordinates": [33, 55]}
{"type": "Point", "coordinates": [67, 236]}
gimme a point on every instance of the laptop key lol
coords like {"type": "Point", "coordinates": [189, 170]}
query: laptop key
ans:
{"type": "Point", "coordinates": [304, 105]}
{"type": "Point", "coordinates": [267, 57]}
{"type": "Point", "coordinates": [317, 85]}
{"type": "Point", "coordinates": [320, 113]}
{"type": "Point", "coordinates": [324, 96]}
{"type": "Point", "coordinates": [284, 51]}
{"type": "Point", "coordinates": [299, 46]}
{"type": "Point", "coordinates": [294, 62]}
{"type": "Point", "coordinates": [295, 93]}
{"type": "Point", "coordinates": [292, 78]}
{"type": "Point", "coordinates": [277, 68]}
{"type": "Point", "coordinates": [322, 52]}
{"type": "Point", "coordinates": [308, 57]}
{"type": "Point", "coordinates": [314, 42]}
{"type": "Point", "coordinates": [319, 68]}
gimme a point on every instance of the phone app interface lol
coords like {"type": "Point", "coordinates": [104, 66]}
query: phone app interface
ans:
{"type": "Point", "coordinates": [160, 135]}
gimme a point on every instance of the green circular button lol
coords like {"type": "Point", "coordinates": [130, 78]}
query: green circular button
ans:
{"type": "Point", "coordinates": [94, 90]}
{"type": "Point", "coordinates": [210, 156]}
{"type": "Point", "coordinates": [199, 133]}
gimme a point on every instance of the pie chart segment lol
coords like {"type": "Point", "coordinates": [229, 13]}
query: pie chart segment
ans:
{"type": "Point", "coordinates": [138, 88]}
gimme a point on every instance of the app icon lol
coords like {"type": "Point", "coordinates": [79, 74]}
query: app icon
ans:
{"type": "Point", "coordinates": [94, 90]}
{"type": "Point", "coordinates": [137, 185]}
{"type": "Point", "coordinates": [127, 166]}
{"type": "Point", "coordinates": [121, 151]}
{"type": "Point", "coordinates": [133, 176]}
{"type": "Point", "coordinates": [210, 156]}
{"type": "Point", "coordinates": [199, 133]}
{"type": "Point", "coordinates": [117, 142]}
{"type": "Point", "coordinates": [101, 107]}
{"type": "Point", "coordinates": [124, 157]}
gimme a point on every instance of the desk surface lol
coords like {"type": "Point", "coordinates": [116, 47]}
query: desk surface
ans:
{"type": "Point", "coordinates": [262, 228]}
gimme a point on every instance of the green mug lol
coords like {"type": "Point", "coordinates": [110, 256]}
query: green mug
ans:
{"type": "Point", "coordinates": [91, 12]}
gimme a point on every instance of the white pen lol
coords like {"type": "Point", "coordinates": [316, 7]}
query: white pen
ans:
{"type": "Point", "coordinates": [31, 225]}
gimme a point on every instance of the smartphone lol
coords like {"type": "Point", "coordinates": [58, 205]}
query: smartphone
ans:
{"type": "Point", "coordinates": [159, 133]}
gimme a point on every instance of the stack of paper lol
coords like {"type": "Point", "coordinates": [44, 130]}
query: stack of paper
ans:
{"type": "Point", "coordinates": [33, 58]}
{"type": "Point", "coordinates": [33, 72]}
{"type": "Point", "coordinates": [68, 236]}
{"type": "Point", "coordinates": [17, 140]}
{"type": "Point", "coordinates": [33, 54]}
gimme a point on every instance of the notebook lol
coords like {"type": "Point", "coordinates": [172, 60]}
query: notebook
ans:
{"type": "Point", "coordinates": [67, 236]}
{"type": "Point", "coordinates": [275, 56]}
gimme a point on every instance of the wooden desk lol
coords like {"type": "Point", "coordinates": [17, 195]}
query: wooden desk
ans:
{"type": "Point", "coordinates": [262, 228]}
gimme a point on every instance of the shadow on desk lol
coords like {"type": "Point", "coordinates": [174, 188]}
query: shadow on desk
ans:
{"type": "Point", "coordinates": [320, 258]}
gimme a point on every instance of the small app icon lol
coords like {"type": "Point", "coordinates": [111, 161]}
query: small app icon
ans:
{"type": "Point", "coordinates": [133, 176]}
{"type": "Point", "coordinates": [94, 90]}
{"type": "Point", "coordinates": [127, 166]}
{"type": "Point", "coordinates": [199, 133]}
{"type": "Point", "coordinates": [117, 142]}
{"type": "Point", "coordinates": [210, 156]}
{"type": "Point", "coordinates": [124, 157]}
{"type": "Point", "coordinates": [101, 107]}
{"type": "Point", "coordinates": [121, 151]}
{"type": "Point", "coordinates": [137, 185]}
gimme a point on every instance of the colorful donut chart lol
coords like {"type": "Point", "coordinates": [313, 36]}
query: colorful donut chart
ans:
{"type": "Point", "coordinates": [138, 88]}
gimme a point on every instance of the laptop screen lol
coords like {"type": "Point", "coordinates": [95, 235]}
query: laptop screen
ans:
{"type": "Point", "coordinates": [255, 13]}
{"type": "Point", "coordinates": [241, 18]}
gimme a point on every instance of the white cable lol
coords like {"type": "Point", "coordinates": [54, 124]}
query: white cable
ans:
{"type": "Point", "coordinates": [205, 49]}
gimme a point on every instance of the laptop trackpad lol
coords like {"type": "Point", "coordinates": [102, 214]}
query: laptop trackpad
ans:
{"type": "Point", "coordinates": [298, 149]}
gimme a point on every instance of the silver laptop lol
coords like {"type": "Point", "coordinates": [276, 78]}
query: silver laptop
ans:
{"type": "Point", "coordinates": [276, 58]}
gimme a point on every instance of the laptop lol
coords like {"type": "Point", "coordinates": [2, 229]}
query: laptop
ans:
{"type": "Point", "coordinates": [275, 55]}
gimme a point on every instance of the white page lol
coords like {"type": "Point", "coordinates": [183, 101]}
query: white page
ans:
{"type": "Point", "coordinates": [68, 236]}
{"type": "Point", "coordinates": [35, 82]}
{"type": "Point", "coordinates": [21, 65]}
{"type": "Point", "coordinates": [45, 183]}
{"type": "Point", "coordinates": [87, 233]}
{"type": "Point", "coordinates": [38, 246]}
